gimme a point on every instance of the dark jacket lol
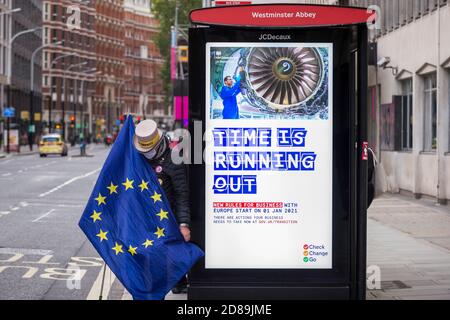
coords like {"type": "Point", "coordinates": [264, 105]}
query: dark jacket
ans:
{"type": "Point", "coordinates": [173, 179]}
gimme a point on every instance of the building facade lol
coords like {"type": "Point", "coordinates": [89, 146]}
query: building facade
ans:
{"type": "Point", "coordinates": [5, 36]}
{"type": "Point", "coordinates": [67, 86]}
{"type": "Point", "coordinates": [110, 50]}
{"type": "Point", "coordinates": [409, 95]}
{"type": "Point", "coordinates": [22, 48]}
{"type": "Point", "coordinates": [142, 87]}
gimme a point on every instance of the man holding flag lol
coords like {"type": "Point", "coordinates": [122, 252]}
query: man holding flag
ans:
{"type": "Point", "coordinates": [129, 221]}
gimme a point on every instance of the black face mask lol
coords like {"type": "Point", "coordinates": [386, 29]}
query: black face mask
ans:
{"type": "Point", "coordinates": [158, 150]}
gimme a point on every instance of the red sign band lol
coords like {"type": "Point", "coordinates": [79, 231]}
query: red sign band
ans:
{"type": "Point", "coordinates": [282, 15]}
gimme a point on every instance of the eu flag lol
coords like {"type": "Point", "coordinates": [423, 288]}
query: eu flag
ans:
{"type": "Point", "coordinates": [129, 222]}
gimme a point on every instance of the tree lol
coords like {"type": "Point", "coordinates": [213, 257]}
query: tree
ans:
{"type": "Point", "coordinates": [164, 11]}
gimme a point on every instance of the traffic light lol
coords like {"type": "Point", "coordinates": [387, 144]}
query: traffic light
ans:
{"type": "Point", "coordinates": [183, 54]}
{"type": "Point", "coordinates": [122, 119]}
{"type": "Point", "coordinates": [72, 121]}
{"type": "Point", "coordinates": [138, 119]}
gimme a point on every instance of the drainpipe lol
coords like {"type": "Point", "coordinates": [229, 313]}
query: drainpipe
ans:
{"type": "Point", "coordinates": [438, 94]}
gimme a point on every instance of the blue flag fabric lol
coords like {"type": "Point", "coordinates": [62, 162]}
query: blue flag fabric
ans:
{"type": "Point", "coordinates": [129, 222]}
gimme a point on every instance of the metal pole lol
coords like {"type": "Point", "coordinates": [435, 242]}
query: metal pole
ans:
{"type": "Point", "coordinates": [7, 135]}
{"type": "Point", "coordinates": [103, 282]}
{"type": "Point", "coordinates": [8, 96]}
{"type": "Point", "coordinates": [65, 94]}
{"type": "Point", "coordinates": [120, 98]}
{"type": "Point", "coordinates": [81, 111]}
{"type": "Point", "coordinates": [10, 48]}
{"type": "Point", "coordinates": [63, 107]}
{"type": "Point", "coordinates": [108, 112]}
{"type": "Point", "coordinates": [83, 101]}
{"type": "Point", "coordinates": [50, 114]}
{"type": "Point", "coordinates": [31, 122]}
{"type": "Point", "coordinates": [51, 91]}
{"type": "Point", "coordinates": [75, 112]}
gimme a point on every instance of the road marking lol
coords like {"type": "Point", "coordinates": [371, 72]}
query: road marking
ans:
{"type": "Point", "coordinates": [25, 251]}
{"type": "Point", "coordinates": [24, 204]}
{"type": "Point", "coordinates": [6, 174]}
{"type": "Point", "coordinates": [69, 182]}
{"type": "Point", "coordinates": [44, 260]}
{"type": "Point", "coordinates": [5, 212]}
{"type": "Point", "coordinates": [29, 274]}
{"type": "Point", "coordinates": [14, 208]}
{"type": "Point", "coordinates": [37, 204]}
{"type": "Point", "coordinates": [44, 215]}
{"type": "Point", "coordinates": [96, 287]}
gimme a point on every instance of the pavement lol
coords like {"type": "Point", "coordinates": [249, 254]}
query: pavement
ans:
{"type": "Point", "coordinates": [25, 151]}
{"type": "Point", "coordinates": [409, 243]}
{"type": "Point", "coordinates": [44, 254]}
{"type": "Point", "coordinates": [409, 240]}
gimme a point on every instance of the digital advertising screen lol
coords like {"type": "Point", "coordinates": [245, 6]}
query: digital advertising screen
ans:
{"type": "Point", "coordinates": [269, 142]}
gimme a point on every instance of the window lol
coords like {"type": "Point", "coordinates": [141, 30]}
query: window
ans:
{"type": "Point", "coordinates": [407, 114]}
{"type": "Point", "coordinates": [430, 113]}
{"type": "Point", "coordinates": [46, 35]}
{"type": "Point", "coordinates": [46, 60]}
{"type": "Point", "coordinates": [46, 11]}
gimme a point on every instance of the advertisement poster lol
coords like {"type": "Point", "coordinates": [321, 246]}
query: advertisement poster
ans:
{"type": "Point", "coordinates": [13, 140]}
{"type": "Point", "coordinates": [268, 201]}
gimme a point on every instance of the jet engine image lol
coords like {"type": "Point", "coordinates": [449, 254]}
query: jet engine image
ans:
{"type": "Point", "coordinates": [284, 77]}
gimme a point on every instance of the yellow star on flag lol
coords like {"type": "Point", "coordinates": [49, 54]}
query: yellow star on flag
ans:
{"type": "Point", "coordinates": [117, 248]}
{"type": "Point", "coordinates": [100, 199]}
{"type": "Point", "coordinates": [143, 185]}
{"type": "Point", "coordinates": [159, 232]}
{"type": "Point", "coordinates": [96, 216]}
{"type": "Point", "coordinates": [102, 235]}
{"type": "Point", "coordinates": [162, 215]}
{"type": "Point", "coordinates": [128, 184]}
{"type": "Point", "coordinates": [132, 250]}
{"type": "Point", "coordinates": [156, 197]}
{"type": "Point", "coordinates": [148, 243]}
{"type": "Point", "coordinates": [112, 188]}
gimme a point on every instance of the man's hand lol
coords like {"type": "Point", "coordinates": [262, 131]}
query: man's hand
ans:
{"type": "Point", "coordinates": [186, 232]}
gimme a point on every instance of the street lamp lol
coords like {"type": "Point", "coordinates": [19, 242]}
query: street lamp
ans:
{"type": "Point", "coordinates": [88, 73]}
{"type": "Point", "coordinates": [120, 92]}
{"type": "Point", "coordinates": [65, 94]}
{"type": "Point", "coordinates": [31, 112]}
{"type": "Point", "coordinates": [51, 87]}
{"type": "Point", "coordinates": [10, 11]}
{"type": "Point", "coordinates": [17, 35]}
{"type": "Point", "coordinates": [148, 89]}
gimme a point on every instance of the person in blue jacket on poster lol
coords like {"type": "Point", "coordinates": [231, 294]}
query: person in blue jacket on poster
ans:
{"type": "Point", "coordinates": [228, 94]}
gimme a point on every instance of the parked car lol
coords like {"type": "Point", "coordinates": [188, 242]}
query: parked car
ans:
{"type": "Point", "coordinates": [52, 144]}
